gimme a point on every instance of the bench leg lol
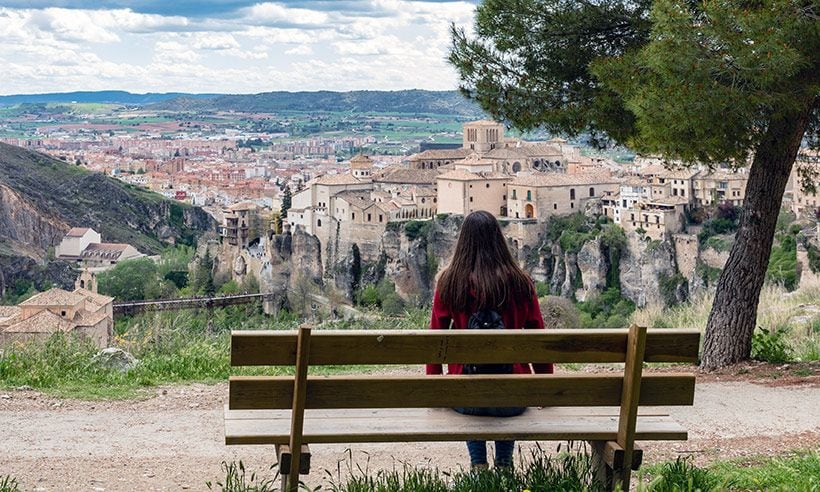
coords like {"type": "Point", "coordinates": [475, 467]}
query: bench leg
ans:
{"type": "Point", "coordinates": [285, 458]}
{"type": "Point", "coordinates": [608, 462]}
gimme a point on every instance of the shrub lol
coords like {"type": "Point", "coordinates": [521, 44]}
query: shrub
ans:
{"type": "Point", "coordinates": [560, 313]}
{"type": "Point", "coordinates": [782, 267]}
{"type": "Point", "coordinates": [682, 476]}
{"type": "Point", "coordinates": [415, 229]}
{"type": "Point", "coordinates": [393, 305]}
{"type": "Point", "coordinates": [669, 285]}
{"type": "Point", "coordinates": [608, 310]}
{"type": "Point", "coordinates": [542, 289]}
{"type": "Point", "coordinates": [369, 296]}
{"type": "Point", "coordinates": [770, 345]}
{"type": "Point", "coordinates": [718, 244]}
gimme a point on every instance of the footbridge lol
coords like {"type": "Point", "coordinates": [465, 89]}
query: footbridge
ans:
{"type": "Point", "coordinates": [128, 308]}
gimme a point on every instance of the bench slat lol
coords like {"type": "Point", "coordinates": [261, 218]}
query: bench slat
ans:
{"type": "Point", "coordinates": [255, 348]}
{"type": "Point", "coordinates": [259, 392]}
{"type": "Point", "coordinates": [444, 425]}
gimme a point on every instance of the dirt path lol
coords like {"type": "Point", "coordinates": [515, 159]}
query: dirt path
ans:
{"type": "Point", "coordinates": [174, 440]}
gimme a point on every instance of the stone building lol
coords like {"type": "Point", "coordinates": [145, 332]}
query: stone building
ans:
{"type": "Point", "coordinates": [85, 247]}
{"type": "Point", "coordinates": [538, 196]}
{"type": "Point", "coordinates": [83, 313]}
{"type": "Point", "coordinates": [462, 192]}
{"type": "Point", "coordinates": [805, 201]}
{"type": "Point", "coordinates": [242, 224]}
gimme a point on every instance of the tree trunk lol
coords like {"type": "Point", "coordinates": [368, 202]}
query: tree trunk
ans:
{"type": "Point", "coordinates": [734, 312]}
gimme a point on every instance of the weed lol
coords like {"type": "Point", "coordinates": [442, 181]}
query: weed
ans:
{"type": "Point", "coordinates": [236, 480]}
{"type": "Point", "coordinates": [9, 484]}
{"type": "Point", "coordinates": [682, 476]}
{"type": "Point", "coordinates": [770, 345]}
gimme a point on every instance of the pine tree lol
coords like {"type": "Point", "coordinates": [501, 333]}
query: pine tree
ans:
{"type": "Point", "coordinates": [700, 82]}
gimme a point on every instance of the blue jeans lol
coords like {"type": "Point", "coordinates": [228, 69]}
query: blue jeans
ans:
{"type": "Point", "coordinates": [503, 449]}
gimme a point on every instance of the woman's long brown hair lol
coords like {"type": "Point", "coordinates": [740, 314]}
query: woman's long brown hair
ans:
{"type": "Point", "coordinates": [483, 273]}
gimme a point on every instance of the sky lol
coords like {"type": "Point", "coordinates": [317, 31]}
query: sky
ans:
{"type": "Point", "coordinates": [227, 46]}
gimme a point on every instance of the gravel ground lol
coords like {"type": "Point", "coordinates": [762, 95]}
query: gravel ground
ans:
{"type": "Point", "coordinates": [173, 440]}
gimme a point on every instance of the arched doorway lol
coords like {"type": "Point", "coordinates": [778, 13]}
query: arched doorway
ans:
{"type": "Point", "coordinates": [529, 210]}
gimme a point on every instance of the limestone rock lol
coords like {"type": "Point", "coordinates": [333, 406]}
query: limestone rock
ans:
{"type": "Point", "coordinates": [239, 266]}
{"type": "Point", "coordinates": [642, 263]}
{"type": "Point", "coordinates": [116, 359]}
{"type": "Point", "coordinates": [571, 265]}
{"type": "Point", "coordinates": [593, 268]}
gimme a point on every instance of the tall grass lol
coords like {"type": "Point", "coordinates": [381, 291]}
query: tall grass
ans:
{"type": "Point", "coordinates": [796, 314]}
{"type": "Point", "coordinates": [9, 484]}
{"type": "Point", "coordinates": [538, 472]}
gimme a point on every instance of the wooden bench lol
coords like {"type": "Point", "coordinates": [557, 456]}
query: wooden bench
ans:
{"type": "Point", "coordinates": [291, 412]}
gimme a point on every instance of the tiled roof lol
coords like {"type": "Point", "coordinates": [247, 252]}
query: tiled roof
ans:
{"type": "Point", "coordinates": [85, 318]}
{"type": "Point", "coordinates": [561, 179]}
{"type": "Point", "coordinates": [54, 297]}
{"type": "Point", "coordinates": [402, 175]}
{"type": "Point", "coordinates": [506, 153]}
{"type": "Point", "coordinates": [476, 160]}
{"type": "Point", "coordinates": [98, 299]}
{"type": "Point", "coordinates": [359, 199]}
{"type": "Point", "coordinates": [361, 161]}
{"type": "Point", "coordinates": [43, 322]}
{"type": "Point", "coordinates": [77, 231]}
{"type": "Point", "coordinates": [462, 175]}
{"type": "Point", "coordinates": [459, 153]}
{"type": "Point", "coordinates": [540, 149]}
{"type": "Point", "coordinates": [337, 179]}
{"type": "Point", "coordinates": [242, 206]}
{"type": "Point", "coordinates": [108, 251]}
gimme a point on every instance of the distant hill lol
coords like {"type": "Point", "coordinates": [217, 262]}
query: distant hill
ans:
{"type": "Point", "coordinates": [407, 101]}
{"type": "Point", "coordinates": [107, 97]}
{"type": "Point", "coordinates": [41, 198]}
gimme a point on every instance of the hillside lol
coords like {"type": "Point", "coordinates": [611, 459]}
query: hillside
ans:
{"type": "Point", "coordinates": [41, 198]}
{"type": "Point", "coordinates": [112, 97]}
{"type": "Point", "coordinates": [409, 101]}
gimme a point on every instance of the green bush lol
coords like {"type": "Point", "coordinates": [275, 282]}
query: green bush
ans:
{"type": "Point", "coordinates": [415, 229]}
{"type": "Point", "coordinates": [782, 267]}
{"type": "Point", "coordinates": [369, 296]}
{"type": "Point", "coordinates": [542, 289]}
{"type": "Point", "coordinates": [608, 310]}
{"type": "Point", "coordinates": [669, 285]}
{"type": "Point", "coordinates": [393, 305]}
{"type": "Point", "coordinates": [771, 345]}
{"type": "Point", "coordinates": [718, 244]}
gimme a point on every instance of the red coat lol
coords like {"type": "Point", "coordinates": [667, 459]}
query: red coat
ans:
{"type": "Point", "coordinates": [517, 315]}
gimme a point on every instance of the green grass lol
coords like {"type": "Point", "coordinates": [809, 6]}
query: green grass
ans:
{"type": "Point", "coordinates": [9, 484]}
{"type": "Point", "coordinates": [796, 471]}
{"type": "Point", "coordinates": [183, 347]}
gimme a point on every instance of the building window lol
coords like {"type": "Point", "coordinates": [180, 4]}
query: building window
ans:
{"type": "Point", "coordinates": [555, 206]}
{"type": "Point", "coordinates": [592, 192]}
{"type": "Point", "coordinates": [529, 195]}
{"type": "Point", "coordinates": [423, 200]}
{"type": "Point", "coordinates": [381, 218]}
{"type": "Point", "coordinates": [571, 204]}
{"type": "Point", "coordinates": [624, 203]}
{"type": "Point", "coordinates": [318, 222]}
{"type": "Point", "coordinates": [369, 217]}
{"type": "Point", "coordinates": [488, 185]}
{"type": "Point", "coordinates": [471, 199]}
{"type": "Point", "coordinates": [503, 197]}
{"type": "Point", "coordinates": [352, 216]}
{"type": "Point", "coordinates": [514, 195]}
{"type": "Point", "coordinates": [435, 200]}
{"type": "Point", "coordinates": [572, 194]}
{"type": "Point", "coordinates": [62, 313]}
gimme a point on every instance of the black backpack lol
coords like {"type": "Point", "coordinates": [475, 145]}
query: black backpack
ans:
{"type": "Point", "coordinates": [486, 319]}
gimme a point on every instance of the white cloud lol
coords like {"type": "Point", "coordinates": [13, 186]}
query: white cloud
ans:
{"type": "Point", "coordinates": [396, 44]}
{"type": "Point", "coordinates": [301, 50]}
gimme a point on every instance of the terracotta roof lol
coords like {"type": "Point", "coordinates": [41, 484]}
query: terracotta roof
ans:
{"type": "Point", "coordinates": [43, 322]}
{"type": "Point", "coordinates": [540, 149]}
{"type": "Point", "coordinates": [462, 175]}
{"type": "Point", "coordinates": [506, 153]}
{"type": "Point", "coordinates": [561, 179]}
{"type": "Point", "coordinates": [361, 161]}
{"type": "Point", "coordinates": [476, 160]}
{"type": "Point", "coordinates": [337, 179]}
{"type": "Point", "coordinates": [77, 231]}
{"type": "Point", "coordinates": [85, 318]}
{"type": "Point", "coordinates": [668, 201]}
{"type": "Point", "coordinates": [459, 153]}
{"type": "Point", "coordinates": [359, 199]}
{"type": "Point", "coordinates": [403, 175]}
{"type": "Point", "coordinates": [98, 299]}
{"type": "Point", "coordinates": [108, 251]}
{"type": "Point", "coordinates": [54, 297]}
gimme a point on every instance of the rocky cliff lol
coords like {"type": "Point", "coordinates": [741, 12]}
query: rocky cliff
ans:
{"type": "Point", "coordinates": [41, 198]}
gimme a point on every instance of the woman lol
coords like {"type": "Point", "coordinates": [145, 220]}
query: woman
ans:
{"type": "Point", "coordinates": [482, 277]}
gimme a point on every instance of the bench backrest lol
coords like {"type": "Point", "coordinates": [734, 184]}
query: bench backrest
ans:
{"type": "Point", "coordinates": [280, 348]}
